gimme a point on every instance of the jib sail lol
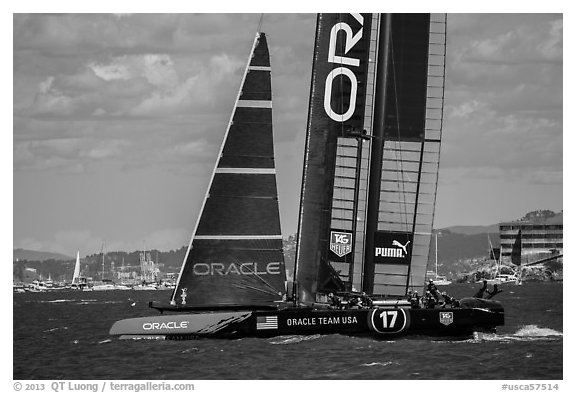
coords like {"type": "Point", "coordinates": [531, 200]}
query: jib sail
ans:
{"type": "Point", "coordinates": [235, 256]}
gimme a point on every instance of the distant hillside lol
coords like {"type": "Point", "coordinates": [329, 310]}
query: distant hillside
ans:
{"type": "Point", "coordinates": [455, 246]}
{"type": "Point", "coordinates": [30, 255]}
{"type": "Point", "coordinates": [472, 230]}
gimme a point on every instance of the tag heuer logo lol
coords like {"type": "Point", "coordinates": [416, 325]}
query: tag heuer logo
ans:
{"type": "Point", "coordinates": [446, 318]}
{"type": "Point", "coordinates": [340, 243]}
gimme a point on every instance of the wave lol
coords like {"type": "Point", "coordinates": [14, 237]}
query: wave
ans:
{"type": "Point", "coordinates": [536, 331]}
{"type": "Point", "coordinates": [54, 329]}
{"type": "Point", "coordinates": [94, 301]}
{"type": "Point", "coordinates": [525, 333]}
{"type": "Point", "coordinates": [283, 340]}
{"type": "Point", "coordinates": [50, 301]}
{"type": "Point", "coordinates": [105, 341]}
{"type": "Point", "coordinates": [384, 364]}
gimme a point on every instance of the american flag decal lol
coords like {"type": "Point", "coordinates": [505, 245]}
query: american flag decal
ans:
{"type": "Point", "coordinates": [269, 322]}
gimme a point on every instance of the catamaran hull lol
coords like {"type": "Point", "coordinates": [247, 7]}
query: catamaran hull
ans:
{"type": "Point", "coordinates": [383, 322]}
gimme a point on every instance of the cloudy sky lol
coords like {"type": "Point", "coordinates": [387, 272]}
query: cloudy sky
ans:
{"type": "Point", "coordinates": [117, 119]}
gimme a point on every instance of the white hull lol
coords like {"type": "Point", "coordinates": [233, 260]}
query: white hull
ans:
{"type": "Point", "coordinates": [110, 287]}
{"type": "Point", "coordinates": [503, 279]}
{"type": "Point", "coordinates": [145, 288]}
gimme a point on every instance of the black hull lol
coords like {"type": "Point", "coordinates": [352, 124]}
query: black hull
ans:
{"type": "Point", "coordinates": [377, 322]}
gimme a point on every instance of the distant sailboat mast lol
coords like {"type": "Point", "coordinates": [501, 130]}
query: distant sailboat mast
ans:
{"type": "Point", "coordinates": [103, 260]}
{"type": "Point", "coordinates": [498, 260]}
{"type": "Point", "coordinates": [436, 252]}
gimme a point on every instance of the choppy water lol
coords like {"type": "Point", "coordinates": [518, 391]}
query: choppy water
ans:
{"type": "Point", "coordinates": [64, 335]}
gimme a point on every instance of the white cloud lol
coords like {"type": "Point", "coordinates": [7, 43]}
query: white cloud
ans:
{"type": "Point", "coordinates": [523, 43]}
{"type": "Point", "coordinates": [70, 155]}
{"type": "Point", "coordinates": [166, 101]}
{"type": "Point", "coordinates": [466, 109]}
{"type": "Point", "coordinates": [112, 71]}
{"type": "Point", "coordinates": [551, 47]}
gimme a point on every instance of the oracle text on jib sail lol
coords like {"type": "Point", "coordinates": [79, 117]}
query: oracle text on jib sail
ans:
{"type": "Point", "coordinates": [225, 269]}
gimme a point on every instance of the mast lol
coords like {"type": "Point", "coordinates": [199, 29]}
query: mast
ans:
{"type": "Point", "coordinates": [103, 258]}
{"type": "Point", "coordinates": [376, 154]}
{"type": "Point", "coordinates": [436, 252]}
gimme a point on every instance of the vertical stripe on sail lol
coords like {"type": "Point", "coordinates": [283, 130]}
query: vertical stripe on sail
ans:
{"type": "Point", "coordinates": [235, 256]}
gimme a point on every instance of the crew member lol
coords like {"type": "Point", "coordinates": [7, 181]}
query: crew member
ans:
{"type": "Point", "coordinates": [414, 299]}
{"type": "Point", "coordinates": [494, 292]}
{"type": "Point", "coordinates": [450, 300]}
{"type": "Point", "coordinates": [480, 293]}
{"type": "Point", "coordinates": [429, 300]}
{"type": "Point", "coordinates": [433, 290]}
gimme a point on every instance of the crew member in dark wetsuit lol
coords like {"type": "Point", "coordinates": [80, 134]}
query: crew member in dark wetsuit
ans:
{"type": "Point", "coordinates": [433, 290]}
{"type": "Point", "coordinates": [429, 300]}
{"type": "Point", "coordinates": [480, 293]}
{"type": "Point", "coordinates": [366, 300]}
{"type": "Point", "coordinates": [450, 300]}
{"type": "Point", "coordinates": [414, 299]}
{"type": "Point", "coordinates": [494, 292]}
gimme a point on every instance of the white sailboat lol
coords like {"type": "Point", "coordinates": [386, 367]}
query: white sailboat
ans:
{"type": "Point", "coordinates": [78, 282]}
{"type": "Point", "coordinates": [437, 279]}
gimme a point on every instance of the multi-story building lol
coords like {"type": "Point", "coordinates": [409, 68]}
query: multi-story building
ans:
{"type": "Point", "coordinates": [540, 237]}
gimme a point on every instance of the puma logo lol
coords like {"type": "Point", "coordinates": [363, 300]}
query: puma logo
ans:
{"type": "Point", "coordinates": [403, 247]}
{"type": "Point", "coordinates": [392, 252]}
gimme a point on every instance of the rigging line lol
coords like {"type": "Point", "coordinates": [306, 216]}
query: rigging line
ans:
{"type": "Point", "coordinates": [255, 289]}
{"type": "Point", "coordinates": [260, 23]}
{"type": "Point", "coordinates": [257, 276]}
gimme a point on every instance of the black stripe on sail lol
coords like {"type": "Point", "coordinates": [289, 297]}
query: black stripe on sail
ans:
{"type": "Point", "coordinates": [261, 56]}
{"type": "Point", "coordinates": [247, 185]}
{"type": "Point", "coordinates": [257, 86]}
{"type": "Point", "coordinates": [249, 143]}
{"type": "Point", "coordinates": [250, 139]}
{"type": "Point", "coordinates": [253, 116]}
{"type": "Point", "coordinates": [239, 216]}
{"type": "Point", "coordinates": [246, 162]}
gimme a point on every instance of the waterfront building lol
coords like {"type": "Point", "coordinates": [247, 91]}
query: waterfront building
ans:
{"type": "Point", "coordinates": [541, 237]}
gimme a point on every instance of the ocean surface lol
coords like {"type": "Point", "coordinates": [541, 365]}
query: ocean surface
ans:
{"type": "Point", "coordinates": [64, 335]}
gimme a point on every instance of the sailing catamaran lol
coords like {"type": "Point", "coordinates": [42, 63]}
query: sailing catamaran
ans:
{"type": "Point", "coordinates": [367, 200]}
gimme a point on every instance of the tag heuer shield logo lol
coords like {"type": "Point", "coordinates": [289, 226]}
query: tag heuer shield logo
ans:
{"type": "Point", "coordinates": [340, 243]}
{"type": "Point", "coordinates": [446, 318]}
